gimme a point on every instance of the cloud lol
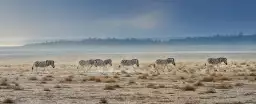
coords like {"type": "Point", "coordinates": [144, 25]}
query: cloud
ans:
{"type": "Point", "coordinates": [22, 29]}
{"type": "Point", "coordinates": [149, 20]}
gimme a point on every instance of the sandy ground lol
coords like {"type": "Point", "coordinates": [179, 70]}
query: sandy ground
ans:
{"type": "Point", "coordinates": [185, 83]}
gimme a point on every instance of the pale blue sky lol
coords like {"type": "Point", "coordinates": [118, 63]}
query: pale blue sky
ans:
{"type": "Point", "coordinates": [24, 21]}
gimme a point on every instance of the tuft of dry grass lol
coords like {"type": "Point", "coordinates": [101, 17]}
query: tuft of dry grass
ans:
{"type": "Point", "coordinates": [223, 86]}
{"type": "Point", "coordinates": [110, 80]}
{"type": "Point", "coordinates": [188, 88]}
{"type": "Point", "coordinates": [127, 75]}
{"type": "Point", "coordinates": [252, 74]}
{"type": "Point", "coordinates": [43, 82]}
{"type": "Point", "coordinates": [117, 86]}
{"type": "Point", "coordinates": [47, 89]}
{"type": "Point", "coordinates": [190, 80]}
{"type": "Point", "coordinates": [152, 85]}
{"type": "Point", "coordinates": [252, 69]}
{"type": "Point", "coordinates": [161, 86]}
{"type": "Point", "coordinates": [17, 86]}
{"type": "Point", "coordinates": [182, 77]}
{"type": "Point", "coordinates": [103, 101]}
{"type": "Point", "coordinates": [210, 90]}
{"type": "Point", "coordinates": [131, 82]}
{"type": "Point", "coordinates": [16, 78]}
{"type": "Point", "coordinates": [109, 87]}
{"type": "Point", "coordinates": [85, 79]}
{"type": "Point", "coordinates": [8, 100]}
{"type": "Point", "coordinates": [49, 76]}
{"type": "Point", "coordinates": [175, 87]}
{"type": "Point", "coordinates": [144, 76]}
{"type": "Point", "coordinates": [124, 72]}
{"type": "Point", "coordinates": [46, 78]}
{"type": "Point", "coordinates": [241, 74]}
{"type": "Point", "coordinates": [116, 76]}
{"type": "Point", "coordinates": [69, 78]}
{"type": "Point", "coordinates": [57, 86]}
{"type": "Point", "coordinates": [222, 78]}
{"type": "Point", "coordinates": [207, 79]}
{"type": "Point", "coordinates": [216, 74]}
{"type": "Point", "coordinates": [243, 63]}
{"type": "Point", "coordinates": [92, 78]}
{"type": "Point", "coordinates": [4, 82]}
{"type": "Point", "coordinates": [33, 78]}
{"type": "Point", "coordinates": [251, 78]}
{"type": "Point", "coordinates": [198, 83]}
{"type": "Point", "coordinates": [97, 79]}
{"type": "Point", "coordinates": [239, 84]}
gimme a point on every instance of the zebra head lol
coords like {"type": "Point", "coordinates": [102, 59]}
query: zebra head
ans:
{"type": "Point", "coordinates": [108, 61]}
{"type": "Point", "coordinates": [222, 59]}
{"type": "Point", "coordinates": [136, 61]}
{"type": "Point", "coordinates": [35, 65]}
{"type": "Point", "coordinates": [91, 61]}
{"type": "Point", "coordinates": [171, 60]}
{"type": "Point", "coordinates": [50, 62]}
{"type": "Point", "coordinates": [152, 65]}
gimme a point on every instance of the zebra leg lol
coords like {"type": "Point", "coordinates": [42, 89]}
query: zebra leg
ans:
{"type": "Point", "coordinates": [102, 69]}
{"type": "Point", "coordinates": [157, 70]}
{"type": "Point", "coordinates": [169, 69]}
{"type": "Point", "coordinates": [44, 69]}
{"type": "Point", "coordinates": [164, 68]}
{"type": "Point", "coordinates": [88, 69]}
{"type": "Point", "coordinates": [133, 68]}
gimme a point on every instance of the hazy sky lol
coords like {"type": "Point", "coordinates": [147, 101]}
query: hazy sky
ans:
{"type": "Point", "coordinates": [24, 21]}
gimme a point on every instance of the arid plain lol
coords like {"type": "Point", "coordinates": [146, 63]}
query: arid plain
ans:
{"type": "Point", "coordinates": [189, 82]}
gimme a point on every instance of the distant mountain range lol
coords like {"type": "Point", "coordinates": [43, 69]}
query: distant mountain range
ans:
{"type": "Point", "coordinates": [217, 39]}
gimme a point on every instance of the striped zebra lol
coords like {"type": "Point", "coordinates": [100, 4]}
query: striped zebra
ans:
{"type": "Point", "coordinates": [99, 63]}
{"type": "Point", "coordinates": [164, 62]}
{"type": "Point", "coordinates": [131, 62]}
{"type": "Point", "coordinates": [108, 62]}
{"type": "Point", "coordinates": [217, 60]}
{"type": "Point", "coordinates": [102, 63]}
{"type": "Point", "coordinates": [88, 63]}
{"type": "Point", "coordinates": [43, 64]}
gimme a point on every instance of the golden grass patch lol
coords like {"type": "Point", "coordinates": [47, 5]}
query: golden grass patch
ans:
{"type": "Point", "coordinates": [198, 83]}
{"type": "Point", "coordinates": [8, 100]}
{"type": "Point", "coordinates": [223, 86]}
{"type": "Point", "coordinates": [188, 87]}
{"type": "Point", "coordinates": [207, 79]}
{"type": "Point", "coordinates": [33, 78]}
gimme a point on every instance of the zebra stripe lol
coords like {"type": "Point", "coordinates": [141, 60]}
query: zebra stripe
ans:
{"type": "Point", "coordinates": [129, 62]}
{"type": "Point", "coordinates": [43, 64]}
{"type": "Point", "coordinates": [99, 63]}
{"type": "Point", "coordinates": [165, 61]}
{"type": "Point", "coordinates": [217, 60]}
{"type": "Point", "coordinates": [108, 62]}
{"type": "Point", "coordinates": [84, 63]}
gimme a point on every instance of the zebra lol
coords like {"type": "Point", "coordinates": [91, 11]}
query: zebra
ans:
{"type": "Point", "coordinates": [131, 62]}
{"type": "Point", "coordinates": [164, 62]}
{"type": "Point", "coordinates": [83, 63]}
{"type": "Point", "coordinates": [102, 63]}
{"type": "Point", "coordinates": [99, 63]}
{"type": "Point", "coordinates": [217, 60]}
{"type": "Point", "coordinates": [108, 62]}
{"type": "Point", "coordinates": [43, 64]}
